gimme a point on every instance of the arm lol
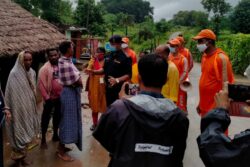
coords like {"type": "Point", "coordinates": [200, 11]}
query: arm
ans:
{"type": "Point", "coordinates": [191, 61]}
{"type": "Point", "coordinates": [185, 70]}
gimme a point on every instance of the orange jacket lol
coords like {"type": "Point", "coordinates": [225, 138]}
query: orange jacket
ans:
{"type": "Point", "coordinates": [186, 53]}
{"type": "Point", "coordinates": [130, 53]}
{"type": "Point", "coordinates": [182, 65]}
{"type": "Point", "coordinates": [216, 69]}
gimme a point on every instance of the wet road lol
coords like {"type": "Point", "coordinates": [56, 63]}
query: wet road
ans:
{"type": "Point", "coordinates": [93, 155]}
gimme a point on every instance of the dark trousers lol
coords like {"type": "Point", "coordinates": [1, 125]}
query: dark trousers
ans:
{"type": "Point", "coordinates": [49, 106]}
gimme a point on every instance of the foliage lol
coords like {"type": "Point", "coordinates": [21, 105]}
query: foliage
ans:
{"type": "Point", "coordinates": [163, 26]}
{"type": "Point", "coordinates": [32, 6]}
{"type": "Point", "coordinates": [138, 8]}
{"type": "Point", "coordinates": [241, 17]}
{"type": "Point", "coordinates": [111, 22]}
{"type": "Point", "coordinates": [50, 10]}
{"type": "Point", "coordinates": [54, 11]}
{"type": "Point", "coordinates": [125, 20]}
{"type": "Point", "coordinates": [191, 18]}
{"type": "Point", "coordinates": [89, 15]}
{"type": "Point", "coordinates": [219, 8]}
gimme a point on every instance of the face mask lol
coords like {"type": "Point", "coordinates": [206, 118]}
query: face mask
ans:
{"type": "Point", "coordinates": [201, 47]}
{"type": "Point", "coordinates": [124, 45]}
{"type": "Point", "coordinates": [112, 48]}
{"type": "Point", "coordinates": [172, 49]}
{"type": "Point", "coordinates": [100, 56]}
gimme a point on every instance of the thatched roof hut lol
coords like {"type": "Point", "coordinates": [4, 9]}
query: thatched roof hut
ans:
{"type": "Point", "coordinates": [20, 30]}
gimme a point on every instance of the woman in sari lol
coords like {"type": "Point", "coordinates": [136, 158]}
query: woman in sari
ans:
{"type": "Point", "coordinates": [20, 96]}
{"type": "Point", "coordinates": [96, 92]}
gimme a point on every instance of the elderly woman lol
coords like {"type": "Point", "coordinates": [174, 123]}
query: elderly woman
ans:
{"type": "Point", "coordinates": [20, 96]}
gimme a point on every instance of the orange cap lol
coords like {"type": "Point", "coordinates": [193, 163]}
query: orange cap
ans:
{"type": "Point", "coordinates": [125, 40]}
{"type": "Point", "coordinates": [174, 41]}
{"type": "Point", "coordinates": [206, 33]}
{"type": "Point", "coordinates": [181, 39]}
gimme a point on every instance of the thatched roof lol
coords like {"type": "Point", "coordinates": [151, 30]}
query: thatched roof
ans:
{"type": "Point", "coordinates": [20, 30]}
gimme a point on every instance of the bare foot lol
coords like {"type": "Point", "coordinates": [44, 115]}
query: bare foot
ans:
{"type": "Point", "coordinates": [65, 157]}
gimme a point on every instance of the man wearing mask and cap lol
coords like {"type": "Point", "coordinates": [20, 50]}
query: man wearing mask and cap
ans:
{"type": "Point", "coordinates": [116, 69]}
{"type": "Point", "coordinates": [182, 65]}
{"type": "Point", "coordinates": [216, 69]}
{"type": "Point", "coordinates": [128, 51]}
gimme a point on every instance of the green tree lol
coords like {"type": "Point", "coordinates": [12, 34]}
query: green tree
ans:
{"type": "Point", "coordinates": [66, 12]}
{"type": "Point", "coordinates": [32, 6]}
{"type": "Point", "coordinates": [240, 17]}
{"type": "Point", "coordinates": [90, 15]}
{"type": "Point", "coordinates": [191, 18]}
{"type": "Point", "coordinates": [50, 10]}
{"type": "Point", "coordinates": [125, 20]}
{"type": "Point", "coordinates": [138, 8]}
{"type": "Point", "coordinates": [162, 26]}
{"type": "Point", "coordinates": [219, 8]}
{"type": "Point", "coordinates": [111, 22]}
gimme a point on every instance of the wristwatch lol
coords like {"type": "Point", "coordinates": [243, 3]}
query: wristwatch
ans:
{"type": "Point", "coordinates": [117, 80]}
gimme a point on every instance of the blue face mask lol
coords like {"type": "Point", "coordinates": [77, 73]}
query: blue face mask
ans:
{"type": "Point", "coordinates": [112, 48]}
{"type": "Point", "coordinates": [172, 49]}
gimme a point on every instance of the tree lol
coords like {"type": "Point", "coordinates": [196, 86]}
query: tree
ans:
{"type": "Point", "coordinates": [191, 18]}
{"type": "Point", "coordinates": [125, 20]}
{"type": "Point", "coordinates": [162, 26]}
{"type": "Point", "coordinates": [54, 11]}
{"type": "Point", "coordinates": [240, 17]}
{"type": "Point", "coordinates": [90, 15]}
{"type": "Point", "coordinates": [32, 6]}
{"type": "Point", "coordinates": [219, 9]}
{"type": "Point", "coordinates": [138, 8]}
{"type": "Point", "coordinates": [111, 22]}
{"type": "Point", "coordinates": [66, 12]}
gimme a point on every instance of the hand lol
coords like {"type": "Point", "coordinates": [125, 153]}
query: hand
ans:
{"type": "Point", "coordinates": [222, 100]}
{"type": "Point", "coordinates": [112, 81]}
{"type": "Point", "coordinates": [122, 93]}
{"type": "Point", "coordinates": [7, 115]}
{"type": "Point", "coordinates": [88, 71]}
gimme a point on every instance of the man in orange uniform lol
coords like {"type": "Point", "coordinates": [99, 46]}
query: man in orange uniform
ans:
{"type": "Point", "coordinates": [216, 69]}
{"type": "Point", "coordinates": [129, 52]}
{"type": "Point", "coordinates": [182, 65]}
{"type": "Point", "coordinates": [186, 53]}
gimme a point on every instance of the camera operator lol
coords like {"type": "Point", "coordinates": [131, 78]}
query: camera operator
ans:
{"type": "Point", "coordinates": [146, 129]}
{"type": "Point", "coordinates": [216, 149]}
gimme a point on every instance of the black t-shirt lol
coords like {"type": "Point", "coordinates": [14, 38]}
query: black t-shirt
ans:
{"type": "Point", "coordinates": [116, 65]}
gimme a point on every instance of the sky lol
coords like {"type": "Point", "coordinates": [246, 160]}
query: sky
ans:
{"type": "Point", "coordinates": [167, 8]}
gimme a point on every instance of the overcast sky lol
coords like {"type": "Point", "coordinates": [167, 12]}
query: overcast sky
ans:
{"type": "Point", "coordinates": [167, 8]}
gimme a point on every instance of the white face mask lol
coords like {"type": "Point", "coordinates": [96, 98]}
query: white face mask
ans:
{"type": "Point", "coordinates": [201, 47]}
{"type": "Point", "coordinates": [172, 49]}
{"type": "Point", "coordinates": [124, 45]}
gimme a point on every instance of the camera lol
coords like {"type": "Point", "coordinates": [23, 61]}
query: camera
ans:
{"type": "Point", "coordinates": [239, 93]}
{"type": "Point", "coordinates": [132, 89]}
